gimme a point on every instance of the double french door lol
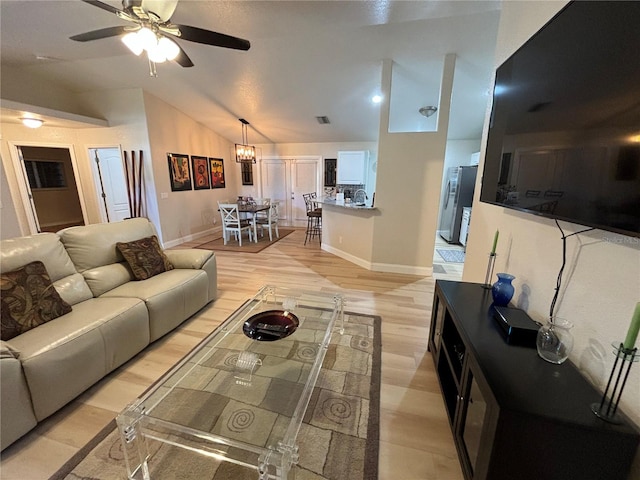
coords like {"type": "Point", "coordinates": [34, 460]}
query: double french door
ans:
{"type": "Point", "coordinates": [285, 180]}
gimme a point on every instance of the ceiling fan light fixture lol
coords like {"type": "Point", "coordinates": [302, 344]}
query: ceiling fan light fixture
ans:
{"type": "Point", "coordinates": [169, 48]}
{"type": "Point", "coordinates": [132, 42]}
{"type": "Point", "coordinates": [157, 54]}
{"type": "Point", "coordinates": [32, 122]}
{"type": "Point", "coordinates": [147, 39]}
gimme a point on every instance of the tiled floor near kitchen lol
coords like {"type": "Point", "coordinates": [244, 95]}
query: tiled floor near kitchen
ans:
{"type": "Point", "coordinates": [446, 270]}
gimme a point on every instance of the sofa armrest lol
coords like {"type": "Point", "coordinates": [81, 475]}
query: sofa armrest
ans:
{"type": "Point", "coordinates": [16, 411]}
{"type": "Point", "coordinates": [7, 351]}
{"type": "Point", "coordinates": [188, 257]}
{"type": "Point", "coordinates": [198, 259]}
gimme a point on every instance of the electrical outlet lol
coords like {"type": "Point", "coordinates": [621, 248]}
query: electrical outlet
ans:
{"type": "Point", "coordinates": [214, 220]}
{"type": "Point", "coordinates": [164, 195]}
{"type": "Point", "coordinates": [340, 240]}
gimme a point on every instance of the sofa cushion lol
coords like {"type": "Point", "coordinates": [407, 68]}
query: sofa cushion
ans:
{"type": "Point", "coordinates": [145, 257]}
{"type": "Point", "coordinates": [46, 247]}
{"type": "Point", "coordinates": [92, 246]}
{"type": "Point", "coordinates": [28, 299]}
{"type": "Point", "coordinates": [64, 357]}
{"type": "Point", "coordinates": [170, 298]}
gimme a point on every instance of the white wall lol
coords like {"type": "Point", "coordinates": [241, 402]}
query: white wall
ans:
{"type": "Point", "coordinates": [128, 130]}
{"type": "Point", "coordinates": [409, 184]}
{"type": "Point", "coordinates": [602, 278]}
{"type": "Point", "coordinates": [138, 122]}
{"type": "Point", "coordinates": [188, 214]}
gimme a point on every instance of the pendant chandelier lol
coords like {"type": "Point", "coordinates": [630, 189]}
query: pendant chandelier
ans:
{"type": "Point", "coordinates": [244, 151]}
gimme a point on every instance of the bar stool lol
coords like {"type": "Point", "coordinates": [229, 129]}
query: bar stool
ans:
{"type": "Point", "coordinates": [314, 218]}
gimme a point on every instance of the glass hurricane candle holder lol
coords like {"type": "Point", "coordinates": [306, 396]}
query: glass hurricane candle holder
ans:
{"type": "Point", "coordinates": [555, 341]}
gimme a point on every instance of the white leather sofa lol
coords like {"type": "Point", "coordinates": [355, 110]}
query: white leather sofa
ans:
{"type": "Point", "coordinates": [113, 315]}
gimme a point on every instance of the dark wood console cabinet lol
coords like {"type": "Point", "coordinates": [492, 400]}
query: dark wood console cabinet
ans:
{"type": "Point", "coordinates": [513, 415]}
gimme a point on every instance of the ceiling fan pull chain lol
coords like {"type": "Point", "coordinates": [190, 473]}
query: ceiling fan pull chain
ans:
{"type": "Point", "coordinates": [152, 69]}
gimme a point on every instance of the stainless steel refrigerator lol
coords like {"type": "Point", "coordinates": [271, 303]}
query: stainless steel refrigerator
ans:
{"type": "Point", "coordinates": [458, 193]}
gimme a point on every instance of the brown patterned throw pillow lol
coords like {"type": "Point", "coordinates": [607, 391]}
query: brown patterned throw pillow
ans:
{"type": "Point", "coordinates": [28, 299]}
{"type": "Point", "coordinates": [145, 257]}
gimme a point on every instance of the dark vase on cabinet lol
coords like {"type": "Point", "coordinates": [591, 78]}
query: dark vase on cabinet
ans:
{"type": "Point", "coordinates": [512, 414]}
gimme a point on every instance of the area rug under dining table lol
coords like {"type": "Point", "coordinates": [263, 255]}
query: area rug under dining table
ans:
{"type": "Point", "coordinates": [247, 246]}
{"type": "Point", "coordinates": [338, 440]}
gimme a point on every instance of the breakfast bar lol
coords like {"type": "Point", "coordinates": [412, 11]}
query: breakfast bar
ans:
{"type": "Point", "coordinates": [347, 230]}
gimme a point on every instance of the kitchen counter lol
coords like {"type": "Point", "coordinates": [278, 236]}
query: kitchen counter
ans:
{"type": "Point", "coordinates": [350, 206]}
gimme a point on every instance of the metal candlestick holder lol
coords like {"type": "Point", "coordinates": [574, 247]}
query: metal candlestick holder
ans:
{"type": "Point", "coordinates": [606, 409]}
{"type": "Point", "coordinates": [489, 275]}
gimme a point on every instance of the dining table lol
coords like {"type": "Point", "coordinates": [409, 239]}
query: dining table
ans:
{"type": "Point", "coordinates": [252, 209]}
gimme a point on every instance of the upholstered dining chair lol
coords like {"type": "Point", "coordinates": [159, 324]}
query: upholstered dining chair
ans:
{"type": "Point", "coordinates": [231, 222]}
{"type": "Point", "coordinates": [269, 220]}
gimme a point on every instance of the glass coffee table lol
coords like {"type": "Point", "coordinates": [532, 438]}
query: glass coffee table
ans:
{"type": "Point", "coordinates": [240, 396]}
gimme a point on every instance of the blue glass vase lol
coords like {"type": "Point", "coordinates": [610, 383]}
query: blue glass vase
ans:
{"type": "Point", "coordinates": [502, 291]}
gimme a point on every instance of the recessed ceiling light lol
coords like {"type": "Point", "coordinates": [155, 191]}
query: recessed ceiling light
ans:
{"type": "Point", "coordinates": [31, 122]}
{"type": "Point", "coordinates": [376, 98]}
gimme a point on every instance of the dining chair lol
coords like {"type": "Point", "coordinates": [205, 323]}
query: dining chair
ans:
{"type": "Point", "coordinates": [231, 222]}
{"type": "Point", "coordinates": [271, 219]}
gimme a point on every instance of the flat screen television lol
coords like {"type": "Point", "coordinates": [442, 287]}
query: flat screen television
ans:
{"type": "Point", "coordinates": [564, 131]}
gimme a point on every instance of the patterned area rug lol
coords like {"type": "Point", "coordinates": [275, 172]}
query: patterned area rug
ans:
{"type": "Point", "coordinates": [338, 440]}
{"type": "Point", "coordinates": [451, 256]}
{"type": "Point", "coordinates": [247, 246]}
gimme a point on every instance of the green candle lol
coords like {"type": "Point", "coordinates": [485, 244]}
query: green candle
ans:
{"type": "Point", "coordinates": [495, 242]}
{"type": "Point", "coordinates": [632, 333]}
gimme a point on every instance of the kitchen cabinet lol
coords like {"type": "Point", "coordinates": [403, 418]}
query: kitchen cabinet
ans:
{"type": "Point", "coordinates": [512, 414]}
{"type": "Point", "coordinates": [352, 167]}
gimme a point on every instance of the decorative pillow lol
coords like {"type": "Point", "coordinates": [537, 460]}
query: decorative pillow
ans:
{"type": "Point", "coordinates": [145, 257]}
{"type": "Point", "coordinates": [28, 299]}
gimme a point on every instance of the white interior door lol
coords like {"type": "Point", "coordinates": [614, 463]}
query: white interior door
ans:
{"type": "Point", "coordinates": [285, 180]}
{"type": "Point", "coordinates": [110, 181]}
{"type": "Point", "coordinates": [304, 179]}
{"type": "Point", "coordinates": [274, 186]}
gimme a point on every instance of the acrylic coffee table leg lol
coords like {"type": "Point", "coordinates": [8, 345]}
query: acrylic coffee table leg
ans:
{"type": "Point", "coordinates": [134, 445]}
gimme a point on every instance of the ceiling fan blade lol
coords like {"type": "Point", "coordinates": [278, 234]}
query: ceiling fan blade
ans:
{"type": "Point", "coordinates": [103, 6]}
{"type": "Point", "coordinates": [199, 35]}
{"type": "Point", "coordinates": [183, 59]}
{"type": "Point", "coordinates": [98, 34]}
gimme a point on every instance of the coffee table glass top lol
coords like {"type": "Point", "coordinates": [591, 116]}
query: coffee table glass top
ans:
{"type": "Point", "coordinates": [241, 395]}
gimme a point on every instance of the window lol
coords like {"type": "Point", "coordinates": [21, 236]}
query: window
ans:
{"type": "Point", "coordinates": [45, 174]}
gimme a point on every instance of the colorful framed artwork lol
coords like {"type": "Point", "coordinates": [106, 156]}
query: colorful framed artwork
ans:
{"type": "Point", "coordinates": [179, 173]}
{"type": "Point", "coordinates": [216, 169]}
{"type": "Point", "coordinates": [200, 170]}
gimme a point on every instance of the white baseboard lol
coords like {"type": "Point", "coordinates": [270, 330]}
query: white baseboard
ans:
{"type": "Point", "coordinates": [347, 256]}
{"type": "Point", "coordinates": [192, 237]}
{"type": "Point", "coordinates": [379, 267]}
{"type": "Point", "coordinates": [405, 269]}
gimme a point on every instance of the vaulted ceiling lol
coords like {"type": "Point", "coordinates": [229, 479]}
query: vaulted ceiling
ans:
{"type": "Point", "coordinates": [307, 59]}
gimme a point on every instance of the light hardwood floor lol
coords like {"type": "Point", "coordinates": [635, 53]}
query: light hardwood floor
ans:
{"type": "Point", "coordinates": [415, 439]}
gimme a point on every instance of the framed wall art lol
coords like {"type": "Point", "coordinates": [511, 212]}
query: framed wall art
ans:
{"type": "Point", "coordinates": [200, 170]}
{"type": "Point", "coordinates": [246, 171]}
{"type": "Point", "coordinates": [216, 168]}
{"type": "Point", "coordinates": [179, 173]}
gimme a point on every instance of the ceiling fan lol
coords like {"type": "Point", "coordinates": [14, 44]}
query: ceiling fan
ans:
{"type": "Point", "coordinates": [153, 32]}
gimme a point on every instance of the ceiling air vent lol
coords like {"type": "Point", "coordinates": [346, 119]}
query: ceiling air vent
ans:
{"type": "Point", "coordinates": [323, 120]}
